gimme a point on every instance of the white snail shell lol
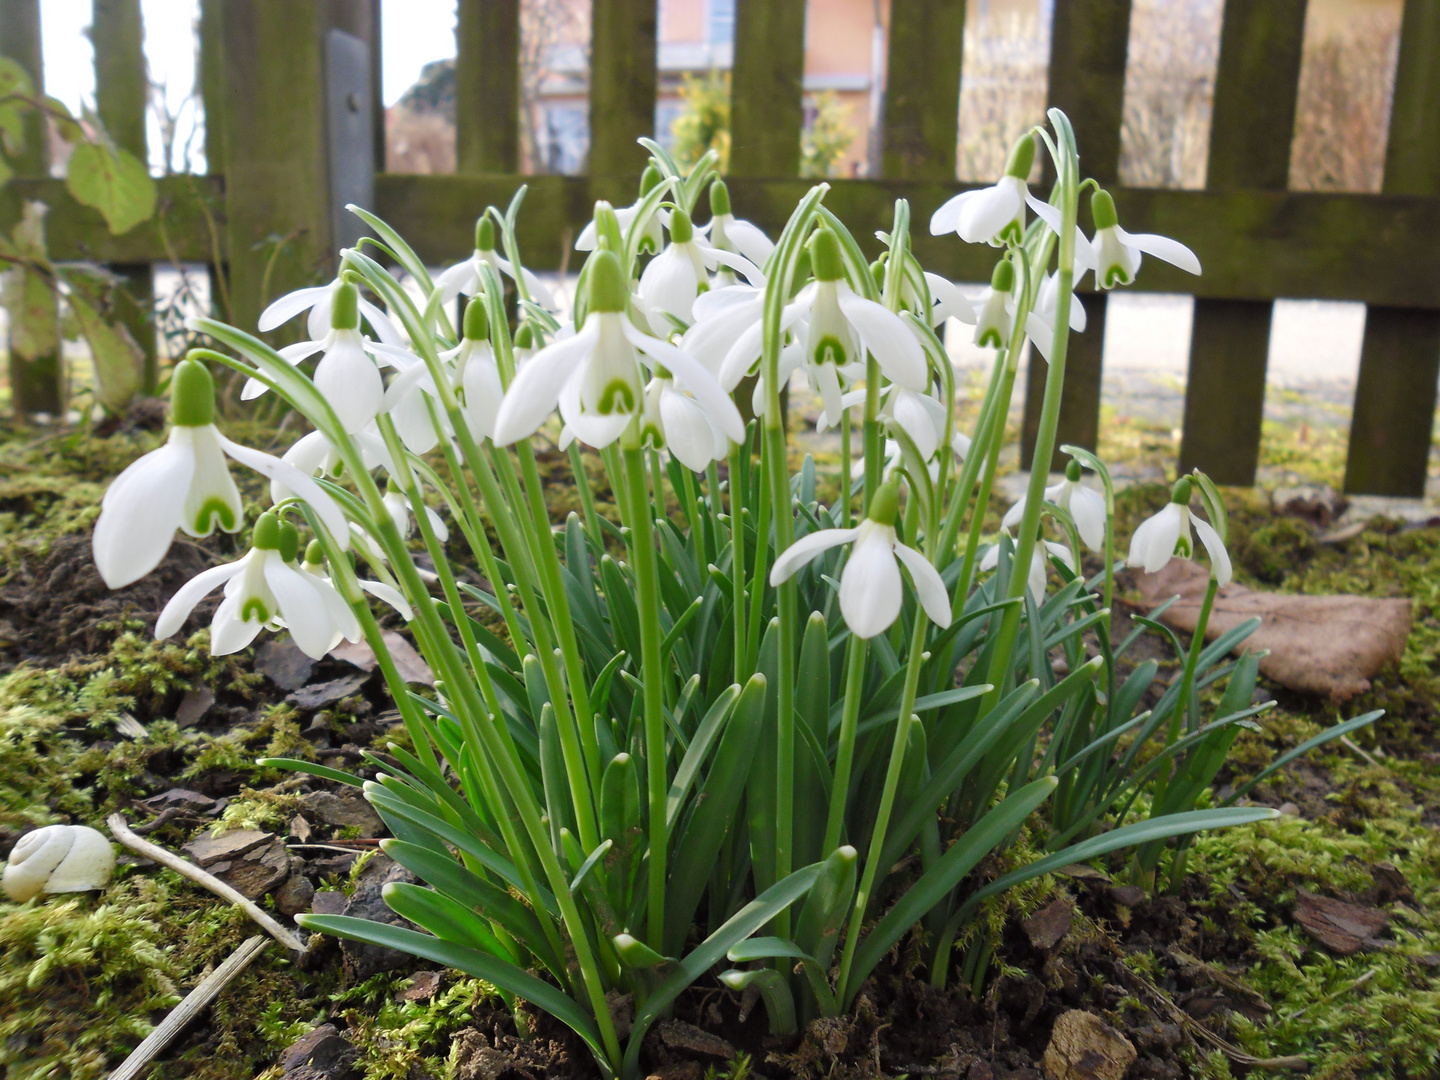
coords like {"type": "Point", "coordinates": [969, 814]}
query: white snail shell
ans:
{"type": "Point", "coordinates": [58, 859]}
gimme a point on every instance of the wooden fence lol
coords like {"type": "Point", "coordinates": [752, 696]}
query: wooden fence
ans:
{"type": "Point", "coordinates": [283, 153]}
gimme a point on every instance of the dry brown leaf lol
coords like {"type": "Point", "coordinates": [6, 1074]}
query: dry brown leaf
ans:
{"type": "Point", "coordinates": [1329, 645]}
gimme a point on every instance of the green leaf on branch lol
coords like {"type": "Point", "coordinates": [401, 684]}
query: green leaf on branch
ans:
{"type": "Point", "coordinates": [114, 182]}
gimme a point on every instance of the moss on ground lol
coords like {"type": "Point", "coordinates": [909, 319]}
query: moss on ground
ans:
{"type": "Point", "coordinates": [82, 979]}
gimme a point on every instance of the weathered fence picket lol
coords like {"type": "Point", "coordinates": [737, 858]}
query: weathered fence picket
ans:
{"type": "Point", "coordinates": [1390, 428]}
{"type": "Point", "coordinates": [1088, 44]}
{"type": "Point", "coordinates": [273, 199]}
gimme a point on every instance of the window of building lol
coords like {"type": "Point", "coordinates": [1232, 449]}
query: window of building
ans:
{"type": "Point", "coordinates": [720, 22]}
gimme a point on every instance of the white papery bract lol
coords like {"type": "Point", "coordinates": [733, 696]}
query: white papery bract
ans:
{"type": "Point", "coordinates": [1085, 505]}
{"type": "Point", "coordinates": [595, 376]}
{"type": "Point", "coordinates": [870, 584]}
{"type": "Point", "coordinates": [1166, 535]}
{"type": "Point", "coordinates": [1036, 579]}
{"type": "Point", "coordinates": [186, 485]}
{"type": "Point", "coordinates": [262, 591]}
{"type": "Point", "coordinates": [463, 279]}
{"type": "Point", "coordinates": [318, 302]}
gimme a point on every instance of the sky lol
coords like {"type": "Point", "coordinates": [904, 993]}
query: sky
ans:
{"type": "Point", "coordinates": [413, 33]}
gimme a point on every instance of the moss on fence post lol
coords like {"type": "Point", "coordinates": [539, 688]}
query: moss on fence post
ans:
{"type": "Point", "coordinates": [37, 378]}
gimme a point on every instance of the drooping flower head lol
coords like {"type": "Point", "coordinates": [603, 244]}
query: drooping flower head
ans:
{"type": "Point", "coordinates": [651, 240]}
{"type": "Point", "coordinates": [263, 590]}
{"type": "Point", "coordinates": [186, 485]}
{"type": "Point", "coordinates": [996, 214]}
{"type": "Point", "coordinates": [318, 301]}
{"type": "Point", "coordinates": [997, 308]}
{"type": "Point", "coordinates": [724, 230]}
{"type": "Point", "coordinates": [1085, 505]}
{"type": "Point", "coordinates": [595, 375]}
{"type": "Point", "coordinates": [1166, 535]}
{"type": "Point", "coordinates": [1044, 552]}
{"type": "Point", "coordinates": [680, 273]}
{"type": "Point", "coordinates": [1117, 253]}
{"type": "Point", "coordinates": [870, 585]}
{"type": "Point", "coordinates": [463, 279]}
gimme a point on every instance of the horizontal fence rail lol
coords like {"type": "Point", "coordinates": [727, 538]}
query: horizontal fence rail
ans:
{"type": "Point", "coordinates": [263, 73]}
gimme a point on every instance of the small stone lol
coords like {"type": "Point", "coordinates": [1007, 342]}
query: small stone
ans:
{"type": "Point", "coordinates": [321, 1052]}
{"type": "Point", "coordinates": [300, 829]}
{"type": "Point", "coordinates": [181, 797]}
{"type": "Point", "coordinates": [193, 707]}
{"type": "Point", "coordinates": [1289, 809]}
{"type": "Point", "coordinates": [1084, 1047]}
{"type": "Point", "coordinates": [366, 902]}
{"type": "Point", "coordinates": [678, 1035]}
{"type": "Point", "coordinates": [319, 695]}
{"type": "Point", "coordinates": [259, 871]}
{"type": "Point", "coordinates": [295, 895]}
{"type": "Point", "coordinates": [282, 662]}
{"type": "Point", "coordinates": [208, 850]}
{"type": "Point", "coordinates": [329, 902]}
{"type": "Point", "coordinates": [422, 987]}
{"type": "Point", "coordinates": [1048, 926]}
{"type": "Point", "coordinates": [344, 812]}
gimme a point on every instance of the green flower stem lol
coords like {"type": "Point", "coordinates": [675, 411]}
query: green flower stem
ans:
{"type": "Point", "coordinates": [887, 803]}
{"type": "Point", "coordinates": [652, 667]}
{"type": "Point", "coordinates": [710, 494]}
{"type": "Point", "coordinates": [698, 542]}
{"type": "Point", "coordinates": [991, 454]}
{"type": "Point", "coordinates": [758, 584]}
{"type": "Point", "coordinates": [587, 497]}
{"type": "Point", "coordinates": [1069, 184]}
{"type": "Point", "coordinates": [786, 603]}
{"type": "Point", "coordinates": [557, 602]}
{"type": "Point", "coordinates": [1187, 680]}
{"type": "Point", "coordinates": [845, 745]}
{"type": "Point", "coordinates": [871, 434]}
{"type": "Point", "coordinates": [737, 563]}
{"type": "Point", "coordinates": [844, 474]}
{"type": "Point", "coordinates": [970, 469]}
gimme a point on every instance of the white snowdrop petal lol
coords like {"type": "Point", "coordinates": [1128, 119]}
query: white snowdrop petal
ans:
{"type": "Point", "coordinates": [228, 634]}
{"type": "Point", "coordinates": [460, 278]}
{"type": "Point", "coordinates": [929, 585]}
{"type": "Point", "coordinates": [945, 219]}
{"type": "Point", "coordinates": [870, 585]}
{"type": "Point", "coordinates": [885, 334]}
{"type": "Point", "coordinates": [536, 388]}
{"type": "Point", "coordinates": [384, 328]}
{"type": "Point", "coordinates": [351, 382]}
{"type": "Point", "coordinates": [988, 212]}
{"type": "Point", "coordinates": [694, 377]}
{"type": "Point", "coordinates": [288, 306]}
{"type": "Point", "coordinates": [916, 421]}
{"type": "Point", "coordinates": [1014, 515]}
{"type": "Point", "coordinates": [179, 606]}
{"type": "Point", "coordinates": [141, 511]}
{"type": "Point", "coordinates": [302, 609]}
{"type": "Point", "coordinates": [950, 302]}
{"type": "Point", "coordinates": [669, 283]}
{"type": "Point", "coordinates": [390, 595]}
{"type": "Point", "coordinates": [292, 479]}
{"type": "Point", "coordinates": [688, 435]}
{"type": "Point", "coordinates": [1219, 557]}
{"type": "Point", "coordinates": [806, 548]}
{"type": "Point", "coordinates": [1087, 507]}
{"type": "Point", "coordinates": [483, 394]}
{"type": "Point", "coordinates": [1162, 247]}
{"type": "Point", "coordinates": [749, 241]}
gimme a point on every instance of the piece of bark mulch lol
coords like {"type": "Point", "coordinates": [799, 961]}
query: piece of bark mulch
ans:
{"type": "Point", "coordinates": [1330, 645]}
{"type": "Point", "coordinates": [1341, 927]}
{"type": "Point", "coordinates": [1048, 926]}
{"type": "Point", "coordinates": [322, 1052]}
{"type": "Point", "coordinates": [207, 850]}
{"type": "Point", "coordinates": [408, 662]}
{"type": "Point", "coordinates": [422, 987]}
{"type": "Point", "coordinates": [678, 1035]}
{"type": "Point", "coordinates": [1084, 1047]}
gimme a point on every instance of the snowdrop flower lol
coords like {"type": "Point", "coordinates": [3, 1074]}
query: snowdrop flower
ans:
{"type": "Point", "coordinates": [996, 214]}
{"type": "Point", "coordinates": [595, 375]}
{"type": "Point", "coordinates": [464, 277]}
{"type": "Point", "coordinates": [995, 320]}
{"type": "Point", "coordinates": [1040, 323]}
{"type": "Point", "coordinates": [588, 240]}
{"type": "Point", "coordinates": [262, 590]}
{"type": "Point", "coordinates": [678, 274]}
{"type": "Point", "coordinates": [471, 368]}
{"type": "Point", "coordinates": [315, 455]}
{"type": "Point", "coordinates": [186, 485]}
{"type": "Point", "coordinates": [347, 375]}
{"type": "Point", "coordinates": [870, 584]}
{"type": "Point", "coordinates": [961, 445]}
{"type": "Point", "coordinates": [401, 511]}
{"type": "Point", "coordinates": [347, 627]}
{"type": "Point", "coordinates": [1084, 504]}
{"type": "Point", "coordinates": [946, 301]}
{"type": "Point", "coordinates": [676, 421]}
{"type": "Point", "coordinates": [919, 415]}
{"type": "Point", "coordinates": [1166, 535]}
{"type": "Point", "coordinates": [840, 325]}
{"type": "Point", "coordinates": [1116, 253]}
{"type": "Point", "coordinates": [318, 301]}
{"type": "Point", "coordinates": [58, 859]}
{"type": "Point", "coordinates": [1038, 569]}
{"type": "Point", "coordinates": [724, 230]}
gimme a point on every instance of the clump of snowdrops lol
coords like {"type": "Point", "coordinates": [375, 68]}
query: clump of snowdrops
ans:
{"type": "Point", "coordinates": [763, 738]}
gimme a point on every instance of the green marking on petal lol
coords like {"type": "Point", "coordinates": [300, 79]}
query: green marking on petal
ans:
{"type": "Point", "coordinates": [215, 511]}
{"type": "Point", "coordinates": [830, 350]}
{"type": "Point", "coordinates": [617, 397]}
{"type": "Point", "coordinates": [254, 610]}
